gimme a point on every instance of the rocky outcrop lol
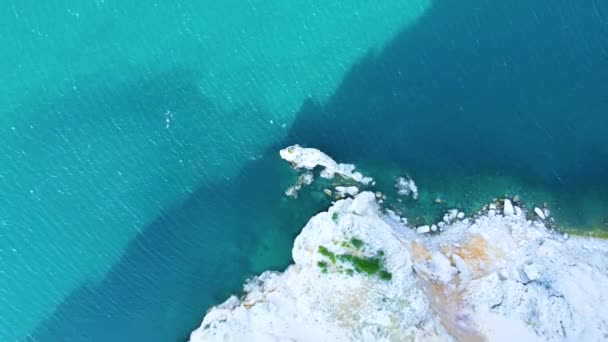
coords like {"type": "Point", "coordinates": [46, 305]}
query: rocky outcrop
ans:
{"type": "Point", "coordinates": [361, 275]}
{"type": "Point", "coordinates": [309, 158]}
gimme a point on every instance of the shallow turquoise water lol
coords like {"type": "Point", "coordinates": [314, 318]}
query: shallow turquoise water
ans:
{"type": "Point", "coordinates": [139, 169]}
{"type": "Point", "coordinates": [128, 131]}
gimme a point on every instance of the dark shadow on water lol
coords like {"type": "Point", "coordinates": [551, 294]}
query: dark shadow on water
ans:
{"type": "Point", "coordinates": [196, 252]}
{"type": "Point", "coordinates": [474, 88]}
{"type": "Point", "coordinates": [513, 89]}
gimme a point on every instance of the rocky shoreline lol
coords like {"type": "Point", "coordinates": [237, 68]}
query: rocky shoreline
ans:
{"type": "Point", "coordinates": [360, 273]}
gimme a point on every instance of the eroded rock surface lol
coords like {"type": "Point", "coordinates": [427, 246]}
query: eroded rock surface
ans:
{"type": "Point", "coordinates": [361, 276]}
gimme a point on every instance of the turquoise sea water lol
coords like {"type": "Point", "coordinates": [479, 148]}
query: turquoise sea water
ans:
{"type": "Point", "coordinates": [139, 167]}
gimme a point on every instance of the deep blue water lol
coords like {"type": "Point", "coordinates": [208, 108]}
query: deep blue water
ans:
{"type": "Point", "coordinates": [117, 224]}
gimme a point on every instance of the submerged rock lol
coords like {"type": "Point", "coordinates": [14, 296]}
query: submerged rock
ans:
{"type": "Point", "coordinates": [361, 275]}
{"type": "Point", "coordinates": [305, 179]}
{"type": "Point", "coordinates": [406, 187]}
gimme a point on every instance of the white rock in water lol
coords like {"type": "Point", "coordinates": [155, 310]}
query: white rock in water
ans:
{"type": "Point", "coordinates": [347, 190]}
{"type": "Point", "coordinates": [309, 158]}
{"type": "Point", "coordinates": [423, 229]}
{"type": "Point", "coordinates": [434, 228]}
{"type": "Point", "coordinates": [460, 215]}
{"type": "Point", "coordinates": [406, 186]}
{"type": "Point", "coordinates": [492, 206]}
{"type": "Point", "coordinates": [450, 216]}
{"type": "Point", "coordinates": [508, 209]}
{"type": "Point", "coordinates": [306, 178]}
{"type": "Point", "coordinates": [318, 299]}
{"type": "Point", "coordinates": [352, 190]}
{"type": "Point", "coordinates": [327, 192]}
{"type": "Point", "coordinates": [540, 213]}
{"type": "Point", "coordinates": [293, 191]}
{"type": "Point", "coordinates": [546, 212]}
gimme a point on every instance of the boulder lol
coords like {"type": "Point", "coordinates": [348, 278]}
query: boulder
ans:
{"type": "Point", "coordinates": [508, 209]}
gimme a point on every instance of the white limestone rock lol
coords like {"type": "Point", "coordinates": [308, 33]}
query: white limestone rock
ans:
{"type": "Point", "coordinates": [450, 216]}
{"type": "Point", "coordinates": [485, 293]}
{"type": "Point", "coordinates": [406, 187]}
{"type": "Point", "coordinates": [309, 158]}
{"type": "Point", "coordinates": [306, 178]}
{"type": "Point", "coordinates": [392, 215]}
{"type": "Point", "coordinates": [530, 273]}
{"type": "Point", "coordinates": [503, 274]}
{"type": "Point", "coordinates": [498, 279]}
{"type": "Point", "coordinates": [539, 212]}
{"type": "Point", "coordinates": [292, 191]}
{"type": "Point", "coordinates": [352, 191]}
{"type": "Point", "coordinates": [423, 229]}
{"type": "Point", "coordinates": [518, 211]}
{"type": "Point", "coordinates": [347, 190]}
{"type": "Point", "coordinates": [508, 208]}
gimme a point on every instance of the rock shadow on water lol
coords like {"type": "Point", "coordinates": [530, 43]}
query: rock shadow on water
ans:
{"type": "Point", "coordinates": [195, 253]}
{"type": "Point", "coordinates": [481, 89]}
{"type": "Point", "coordinates": [475, 87]}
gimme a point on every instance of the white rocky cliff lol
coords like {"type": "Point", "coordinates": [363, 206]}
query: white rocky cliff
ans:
{"type": "Point", "coordinates": [361, 275]}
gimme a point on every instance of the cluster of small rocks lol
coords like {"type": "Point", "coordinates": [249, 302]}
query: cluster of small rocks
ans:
{"type": "Point", "coordinates": [506, 207]}
{"type": "Point", "coordinates": [513, 206]}
{"type": "Point", "coordinates": [305, 179]}
{"type": "Point", "coordinates": [450, 217]}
